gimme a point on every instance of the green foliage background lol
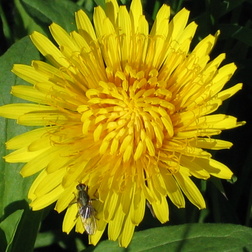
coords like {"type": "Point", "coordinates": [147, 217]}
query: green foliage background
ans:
{"type": "Point", "coordinates": [224, 226]}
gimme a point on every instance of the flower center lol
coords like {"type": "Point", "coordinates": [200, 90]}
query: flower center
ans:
{"type": "Point", "coordinates": [130, 114]}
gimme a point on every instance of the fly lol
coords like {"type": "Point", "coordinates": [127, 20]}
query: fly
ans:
{"type": "Point", "coordinates": [85, 209]}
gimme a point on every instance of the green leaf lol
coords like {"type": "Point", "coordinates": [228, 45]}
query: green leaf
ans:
{"type": "Point", "coordinates": [14, 188]}
{"type": "Point", "coordinates": [20, 230]}
{"type": "Point", "coordinates": [9, 227]}
{"type": "Point", "coordinates": [218, 184]}
{"type": "Point", "coordinates": [187, 237]}
{"type": "Point", "coordinates": [87, 5]}
{"type": "Point", "coordinates": [47, 11]}
{"type": "Point", "coordinates": [100, 2]}
{"type": "Point", "coordinates": [12, 185]}
{"type": "Point", "coordinates": [221, 8]}
{"type": "Point", "coordinates": [23, 23]}
{"type": "Point", "coordinates": [70, 242]}
{"type": "Point", "coordinates": [240, 33]}
{"type": "Point", "coordinates": [6, 30]}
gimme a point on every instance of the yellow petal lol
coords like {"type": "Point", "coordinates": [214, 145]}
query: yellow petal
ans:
{"type": "Point", "coordinates": [227, 93]}
{"type": "Point", "coordinates": [161, 209]}
{"type": "Point", "coordinates": [136, 11]}
{"type": "Point", "coordinates": [23, 155]}
{"type": "Point", "coordinates": [43, 117]}
{"type": "Point", "coordinates": [189, 189]}
{"type": "Point", "coordinates": [213, 144]}
{"type": "Point", "coordinates": [29, 94]}
{"type": "Point", "coordinates": [178, 23]}
{"type": "Point", "coordinates": [173, 191]}
{"type": "Point", "coordinates": [110, 206]}
{"type": "Point", "coordinates": [124, 32]}
{"type": "Point", "coordinates": [160, 26]}
{"type": "Point", "coordinates": [47, 199]}
{"type": "Point", "coordinates": [223, 76]}
{"type": "Point", "coordinates": [29, 74]}
{"type": "Point", "coordinates": [111, 9]}
{"type": "Point", "coordinates": [66, 199]}
{"type": "Point", "coordinates": [103, 25]}
{"type": "Point", "coordinates": [25, 139]}
{"type": "Point", "coordinates": [49, 50]}
{"type": "Point", "coordinates": [138, 211]}
{"type": "Point", "coordinates": [50, 182]}
{"type": "Point", "coordinates": [116, 224]}
{"type": "Point", "coordinates": [85, 27]}
{"type": "Point", "coordinates": [70, 218]}
{"type": "Point", "coordinates": [220, 170]}
{"type": "Point", "coordinates": [40, 161]}
{"type": "Point", "coordinates": [127, 233]}
{"type": "Point", "coordinates": [15, 110]}
{"type": "Point", "coordinates": [62, 37]}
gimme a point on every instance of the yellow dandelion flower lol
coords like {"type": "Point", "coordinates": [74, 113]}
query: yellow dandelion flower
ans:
{"type": "Point", "coordinates": [126, 113]}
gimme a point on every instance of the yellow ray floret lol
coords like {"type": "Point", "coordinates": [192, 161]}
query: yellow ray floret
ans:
{"type": "Point", "coordinates": [125, 111]}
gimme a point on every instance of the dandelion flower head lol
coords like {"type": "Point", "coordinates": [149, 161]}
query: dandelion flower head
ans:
{"type": "Point", "coordinates": [126, 110]}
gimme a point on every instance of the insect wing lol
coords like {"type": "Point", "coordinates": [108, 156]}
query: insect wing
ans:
{"type": "Point", "coordinates": [89, 224]}
{"type": "Point", "coordinates": [87, 214]}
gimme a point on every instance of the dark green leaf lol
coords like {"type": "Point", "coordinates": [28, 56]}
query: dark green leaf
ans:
{"type": "Point", "coordinates": [24, 24]}
{"type": "Point", "coordinates": [100, 2]}
{"type": "Point", "coordinates": [9, 227]}
{"type": "Point", "coordinates": [45, 239]}
{"type": "Point", "coordinates": [218, 184]}
{"type": "Point", "coordinates": [71, 242]}
{"type": "Point", "coordinates": [6, 31]}
{"type": "Point", "coordinates": [87, 5]}
{"type": "Point", "coordinates": [47, 11]}
{"type": "Point", "coordinates": [28, 227]}
{"type": "Point", "coordinates": [220, 8]}
{"type": "Point", "coordinates": [187, 238]}
{"type": "Point", "coordinates": [240, 33]}
{"type": "Point", "coordinates": [14, 188]}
